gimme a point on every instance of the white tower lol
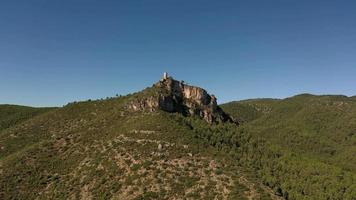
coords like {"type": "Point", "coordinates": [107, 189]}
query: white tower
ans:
{"type": "Point", "coordinates": [165, 75]}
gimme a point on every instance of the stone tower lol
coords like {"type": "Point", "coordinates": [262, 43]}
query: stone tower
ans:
{"type": "Point", "coordinates": [165, 75]}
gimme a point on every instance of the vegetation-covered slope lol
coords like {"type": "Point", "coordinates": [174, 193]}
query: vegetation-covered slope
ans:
{"type": "Point", "coordinates": [313, 139]}
{"type": "Point", "coordinates": [249, 110]}
{"type": "Point", "coordinates": [302, 147]}
{"type": "Point", "coordinates": [11, 115]}
{"type": "Point", "coordinates": [100, 150]}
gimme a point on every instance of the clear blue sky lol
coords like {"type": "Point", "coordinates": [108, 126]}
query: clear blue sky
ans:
{"type": "Point", "coordinates": [56, 51]}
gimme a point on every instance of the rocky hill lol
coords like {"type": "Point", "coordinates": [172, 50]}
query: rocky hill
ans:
{"type": "Point", "coordinates": [106, 149]}
{"type": "Point", "coordinates": [174, 96]}
{"type": "Point", "coordinates": [172, 141]}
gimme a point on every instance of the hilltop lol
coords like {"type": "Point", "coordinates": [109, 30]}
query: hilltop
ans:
{"type": "Point", "coordinates": [171, 95]}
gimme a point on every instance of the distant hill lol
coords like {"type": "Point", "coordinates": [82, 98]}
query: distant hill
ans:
{"type": "Point", "coordinates": [323, 127]}
{"type": "Point", "coordinates": [11, 115]}
{"type": "Point", "coordinates": [320, 131]}
{"type": "Point", "coordinates": [248, 110]}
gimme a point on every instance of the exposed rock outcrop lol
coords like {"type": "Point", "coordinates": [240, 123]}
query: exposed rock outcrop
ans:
{"type": "Point", "coordinates": [175, 96]}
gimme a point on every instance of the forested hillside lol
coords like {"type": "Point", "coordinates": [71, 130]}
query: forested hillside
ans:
{"type": "Point", "coordinates": [102, 150]}
{"type": "Point", "coordinates": [312, 140]}
{"type": "Point", "coordinates": [301, 147]}
{"type": "Point", "coordinates": [11, 115]}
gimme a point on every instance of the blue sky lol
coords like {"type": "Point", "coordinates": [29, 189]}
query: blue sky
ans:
{"type": "Point", "coordinates": [58, 51]}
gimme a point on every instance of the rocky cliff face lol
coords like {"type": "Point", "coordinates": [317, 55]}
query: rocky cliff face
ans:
{"type": "Point", "coordinates": [174, 96]}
